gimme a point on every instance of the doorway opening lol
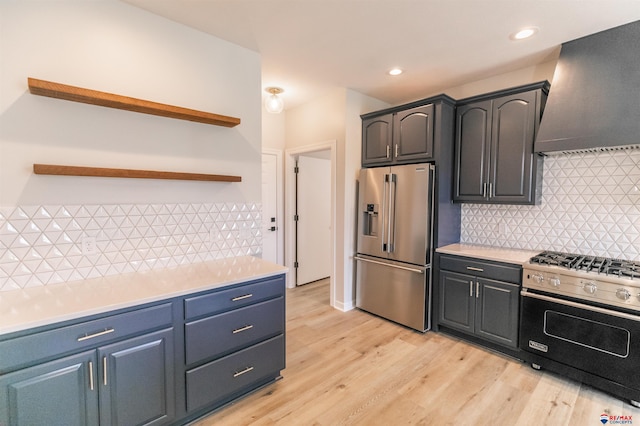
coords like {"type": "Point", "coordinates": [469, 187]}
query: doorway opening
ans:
{"type": "Point", "coordinates": [312, 160]}
{"type": "Point", "coordinates": [313, 217]}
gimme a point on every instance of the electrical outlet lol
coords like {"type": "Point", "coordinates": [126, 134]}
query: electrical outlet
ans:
{"type": "Point", "coordinates": [89, 246]}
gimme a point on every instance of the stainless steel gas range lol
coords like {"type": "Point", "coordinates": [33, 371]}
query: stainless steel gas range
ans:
{"type": "Point", "coordinates": [581, 318]}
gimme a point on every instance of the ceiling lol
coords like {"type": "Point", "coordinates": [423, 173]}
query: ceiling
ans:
{"type": "Point", "coordinates": [309, 47]}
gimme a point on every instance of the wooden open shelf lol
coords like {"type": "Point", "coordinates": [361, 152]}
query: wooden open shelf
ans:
{"type": "Point", "coordinates": [48, 169]}
{"type": "Point", "coordinates": [94, 97]}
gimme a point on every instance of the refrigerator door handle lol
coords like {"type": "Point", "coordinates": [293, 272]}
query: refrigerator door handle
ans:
{"type": "Point", "coordinates": [391, 265]}
{"type": "Point", "coordinates": [384, 213]}
{"type": "Point", "coordinates": [391, 232]}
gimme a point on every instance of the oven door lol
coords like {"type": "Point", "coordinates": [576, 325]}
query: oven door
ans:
{"type": "Point", "coordinates": [595, 340]}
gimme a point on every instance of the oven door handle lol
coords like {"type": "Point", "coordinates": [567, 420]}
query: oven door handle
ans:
{"type": "Point", "coordinates": [604, 311]}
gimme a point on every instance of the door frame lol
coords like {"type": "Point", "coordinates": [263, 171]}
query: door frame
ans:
{"type": "Point", "coordinates": [290, 194]}
{"type": "Point", "coordinates": [279, 203]}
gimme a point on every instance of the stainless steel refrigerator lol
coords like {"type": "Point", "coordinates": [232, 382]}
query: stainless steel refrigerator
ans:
{"type": "Point", "coordinates": [394, 247]}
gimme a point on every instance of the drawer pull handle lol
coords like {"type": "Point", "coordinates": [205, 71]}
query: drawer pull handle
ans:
{"type": "Point", "coordinates": [241, 329]}
{"type": "Point", "coordinates": [471, 268]}
{"type": "Point", "coordinates": [100, 333]}
{"type": "Point", "coordinates": [240, 373]}
{"type": "Point", "coordinates": [246, 296]}
{"type": "Point", "coordinates": [91, 375]}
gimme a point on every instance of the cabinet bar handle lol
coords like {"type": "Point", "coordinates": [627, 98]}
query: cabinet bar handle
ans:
{"type": "Point", "coordinates": [241, 329]}
{"type": "Point", "coordinates": [100, 333]}
{"type": "Point", "coordinates": [246, 296]}
{"type": "Point", "coordinates": [470, 288]}
{"type": "Point", "coordinates": [490, 190]}
{"type": "Point", "coordinates": [396, 150]}
{"type": "Point", "coordinates": [240, 373]}
{"type": "Point", "coordinates": [484, 190]}
{"type": "Point", "coordinates": [388, 151]}
{"type": "Point", "coordinates": [104, 370]}
{"type": "Point", "coordinates": [477, 289]}
{"type": "Point", "coordinates": [471, 268]}
{"type": "Point", "coordinates": [91, 375]}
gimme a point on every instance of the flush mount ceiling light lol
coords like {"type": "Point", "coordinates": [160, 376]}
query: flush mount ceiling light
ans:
{"type": "Point", "coordinates": [273, 103]}
{"type": "Point", "coordinates": [395, 71]}
{"type": "Point", "coordinates": [524, 33]}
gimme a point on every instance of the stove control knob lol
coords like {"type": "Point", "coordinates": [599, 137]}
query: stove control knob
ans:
{"type": "Point", "coordinates": [589, 288]}
{"type": "Point", "coordinates": [537, 278]}
{"type": "Point", "coordinates": [554, 282]}
{"type": "Point", "coordinates": [623, 294]}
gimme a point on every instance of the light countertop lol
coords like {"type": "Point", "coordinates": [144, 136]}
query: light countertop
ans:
{"type": "Point", "coordinates": [38, 306]}
{"type": "Point", "coordinates": [508, 255]}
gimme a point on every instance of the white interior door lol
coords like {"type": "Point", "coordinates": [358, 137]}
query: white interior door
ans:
{"type": "Point", "coordinates": [269, 208]}
{"type": "Point", "coordinates": [313, 236]}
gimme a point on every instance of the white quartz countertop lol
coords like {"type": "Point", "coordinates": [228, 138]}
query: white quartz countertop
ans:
{"type": "Point", "coordinates": [507, 255]}
{"type": "Point", "coordinates": [38, 306]}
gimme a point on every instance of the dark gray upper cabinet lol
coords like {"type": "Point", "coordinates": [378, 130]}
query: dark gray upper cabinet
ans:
{"type": "Point", "coordinates": [377, 140]}
{"type": "Point", "coordinates": [405, 135]}
{"type": "Point", "coordinates": [494, 158]}
{"type": "Point", "coordinates": [413, 134]}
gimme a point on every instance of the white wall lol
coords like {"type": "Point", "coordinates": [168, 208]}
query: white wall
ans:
{"type": "Point", "coordinates": [519, 77]}
{"type": "Point", "coordinates": [273, 130]}
{"type": "Point", "coordinates": [111, 46]}
{"type": "Point", "coordinates": [336, 116]}
{"type": "Point", "coordinates": [138, 224]}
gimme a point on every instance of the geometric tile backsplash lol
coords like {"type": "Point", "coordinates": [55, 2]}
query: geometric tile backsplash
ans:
{"type": "Point", "coordinates": [590, 205]}
{"type": "Point", "coordinates": [42, 245]}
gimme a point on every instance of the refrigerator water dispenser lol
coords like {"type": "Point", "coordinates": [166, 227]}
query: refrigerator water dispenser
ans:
{"type": "Point", "coordinates": [370, 220]}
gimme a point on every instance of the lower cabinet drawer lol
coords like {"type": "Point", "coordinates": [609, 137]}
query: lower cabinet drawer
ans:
{"type": "Point", "coordinates": [234, 374]}
{"type": "Point", "coordinates": [488, 269]}
{"type": "Point", "coordinates": [44, 345]}
{"type": "Point", "coordinates": [235, 297]}
{"type": "Point", "coordinates": [224, 333]}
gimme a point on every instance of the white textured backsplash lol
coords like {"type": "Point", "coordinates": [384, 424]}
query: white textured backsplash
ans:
{"type": "Point", "coordinates": [590, 205]}
{"type": "Point", "coordinates": [42, 245]}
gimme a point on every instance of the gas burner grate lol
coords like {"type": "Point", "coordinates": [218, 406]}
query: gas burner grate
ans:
{"type": "Point", "coordinates": [600, 265]}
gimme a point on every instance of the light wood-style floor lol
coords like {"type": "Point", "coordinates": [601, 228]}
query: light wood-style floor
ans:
{"type": "Point", "coordinates": [356, 369]}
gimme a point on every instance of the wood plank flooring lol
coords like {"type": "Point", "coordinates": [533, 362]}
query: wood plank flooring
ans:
{"type": "Point", "coordinates": [352, 368]}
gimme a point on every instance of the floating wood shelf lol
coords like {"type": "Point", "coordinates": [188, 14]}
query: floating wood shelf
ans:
{"type": "Point", "coordinates": [48, 169]}
{"type": "Point", "coordinates": [94, 97]}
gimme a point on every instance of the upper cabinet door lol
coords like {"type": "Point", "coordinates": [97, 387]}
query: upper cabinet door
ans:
{"type": "Point", "coordinates": [472, 152]}
{"type": "Point", "coordinates": [413, 134]}
{"type": "Point", "coordinates": [512, 156]}
{"type": "Point", "coordinates": [495, 162]}
{"type": "Point", "coordinates": [376, 136]}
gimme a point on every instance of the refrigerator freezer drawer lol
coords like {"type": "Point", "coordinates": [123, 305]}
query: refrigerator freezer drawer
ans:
{"type": "Point", "coordinates": [398, 292]}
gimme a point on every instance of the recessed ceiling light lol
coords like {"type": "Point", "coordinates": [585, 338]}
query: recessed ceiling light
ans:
{"type": "Point", "coordinates": [395, 71]}
{"type": "Point", "coordinates": [524, 33]}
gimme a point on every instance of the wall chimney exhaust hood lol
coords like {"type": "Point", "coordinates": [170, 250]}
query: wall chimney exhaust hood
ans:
{"type": "Point", "coordinates": [594, 101]}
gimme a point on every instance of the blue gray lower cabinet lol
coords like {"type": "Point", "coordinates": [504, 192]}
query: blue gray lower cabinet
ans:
{"type": "Point", "coordinates": [480, 298]}
{"type": "Point", "coordinates": [163, 363]}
